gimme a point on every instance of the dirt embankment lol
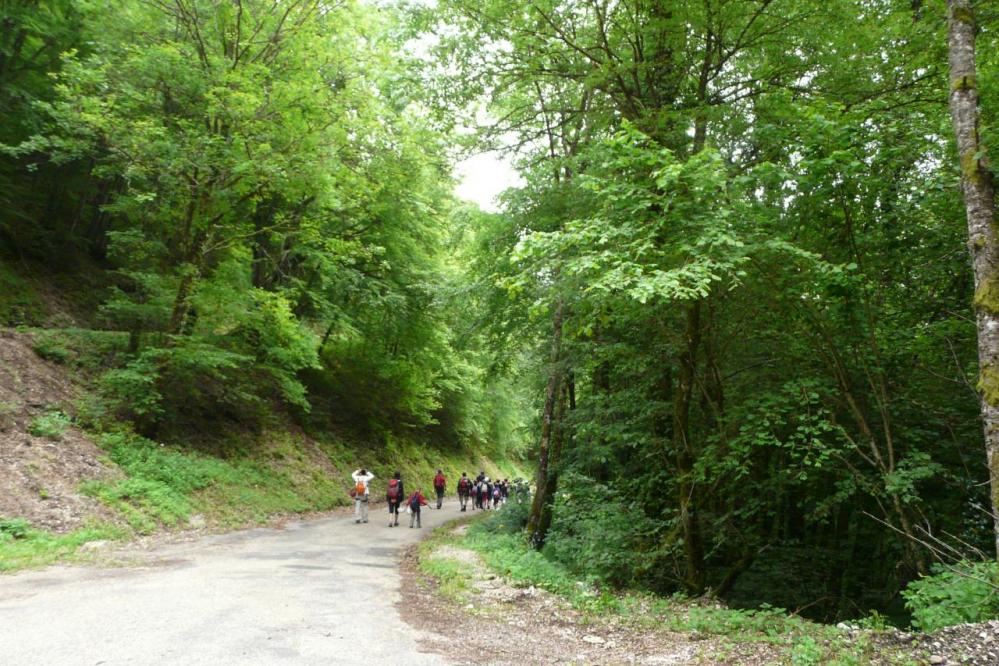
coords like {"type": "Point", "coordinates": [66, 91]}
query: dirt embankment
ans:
{"type": "Point", "coordinates": [43, 459]}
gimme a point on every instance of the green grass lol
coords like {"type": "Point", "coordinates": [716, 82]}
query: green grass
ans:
{"type": "Point", "coordinates": [166, 485]}
{"type": "Point", "coordinates": [452, 576]}
{"type": "Point", "coordinates": [22, 546]}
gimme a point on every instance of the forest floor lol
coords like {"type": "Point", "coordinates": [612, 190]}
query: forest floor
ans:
{"type": "Point", "coordinates": [473, 613]}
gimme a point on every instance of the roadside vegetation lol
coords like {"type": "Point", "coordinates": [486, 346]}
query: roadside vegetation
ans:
{"type": "Point", "coordinates": [499, 542]}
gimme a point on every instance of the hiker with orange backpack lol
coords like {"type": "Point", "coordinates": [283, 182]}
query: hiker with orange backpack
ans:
{"type": "Point", "coordinates": [416, 500]}
{"type": "Point", "coordinates": [395, 495]}
{"type": "Point", "coordinates": [362, 478]}
{"type": "Point", "coordinates": [440, 483]}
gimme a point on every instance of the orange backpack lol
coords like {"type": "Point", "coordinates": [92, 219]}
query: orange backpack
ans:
{"type": "Point", "coordinates": [360, 489]}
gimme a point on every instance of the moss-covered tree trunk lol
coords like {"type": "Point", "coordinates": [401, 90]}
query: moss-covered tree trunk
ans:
{"type": "Point", "coordinates": [979, 201]}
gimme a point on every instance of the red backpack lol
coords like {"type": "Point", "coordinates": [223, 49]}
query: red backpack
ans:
{"type": "Point", "coordinates": [393, 489]}
{"type": "Point", "coordinates": [439, 481]}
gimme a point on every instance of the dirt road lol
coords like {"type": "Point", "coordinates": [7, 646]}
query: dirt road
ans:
{"type": "Point", "coordinates": [315, 592]}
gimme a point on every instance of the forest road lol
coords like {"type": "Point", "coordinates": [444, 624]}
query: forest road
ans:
{"type": "Point", "coordinates": [314, 592]}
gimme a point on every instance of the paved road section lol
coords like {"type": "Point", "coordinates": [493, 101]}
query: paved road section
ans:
{"type": "Point", "coordinates": [314, 592]}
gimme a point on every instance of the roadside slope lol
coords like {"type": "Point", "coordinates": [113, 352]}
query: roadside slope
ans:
{"type": "Point", "coordinates": [68, 477]}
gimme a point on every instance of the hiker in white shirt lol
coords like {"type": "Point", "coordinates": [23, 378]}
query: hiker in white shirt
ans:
{"type": "Point", "coordinates": [362, 478]}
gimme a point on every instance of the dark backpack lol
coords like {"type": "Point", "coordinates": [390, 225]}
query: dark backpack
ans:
{"type": "Point", "coordinates": [393, 489]}
{"type": "Point", "coordinates": [414, 502]}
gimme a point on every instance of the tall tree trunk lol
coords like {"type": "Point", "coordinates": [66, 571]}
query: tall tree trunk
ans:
{"type": "Point", "coordinates": [979, 201]}
{"type": "Point", "coordinates": [559, 436]}
{"type": "Point", "coordinates": [548, 421]}
{"type": "Point", "coordinates": [693, 548]}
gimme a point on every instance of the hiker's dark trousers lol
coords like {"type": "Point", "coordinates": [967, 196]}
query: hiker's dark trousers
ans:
{"type": "Point", "coordinates": [440, 497]}
{"type": "Point", "coordinates": [463, 500]}
{"type": "Point", "coordinates": [394, 510]}
{"type": "Point", "coordinates": [414, 515]}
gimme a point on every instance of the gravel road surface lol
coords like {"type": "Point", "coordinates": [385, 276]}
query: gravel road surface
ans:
{"type": "Point", "coordinates": [313, 592]}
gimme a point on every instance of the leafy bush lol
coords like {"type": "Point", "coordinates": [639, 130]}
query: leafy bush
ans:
{"type": "Point", "coordinates": [190, 377]}
{"type": "Point", "coordinates": [50, 425]}
{"type": "Point", "coordinates": [14, 528]}
{"type": "Point", "coordinates": [83, 348]}
{"type": "Point", "coordinates": [966, 592]}
{"type": "Point", "coordinates": [594, 532]}
{"type": "Point", "coordinates": [511, 520]}
{"type": "Point", "coordinates": [52, 349]}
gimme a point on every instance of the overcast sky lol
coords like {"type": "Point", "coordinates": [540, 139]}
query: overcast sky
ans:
{"type": "Point", "coordinates": [482, 177]}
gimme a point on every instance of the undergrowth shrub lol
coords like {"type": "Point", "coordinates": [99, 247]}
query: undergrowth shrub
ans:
{"type": "Point", "coordinates": [511, 520]}
{"type": "Point", "coordinates": [13, 528]}
{"type": "Point", "coordinates": [83, 348]}
{"type": "Point", "coordinates": [145, 504]}
{"type": "Point", "coordinates": [510, 555]}
{"type": "Point", "coordinates": [594, 532]}
{"type": "Point", "coordinates": [50, 425]}
{"type": "Point", "coordinates": [160, 480]}
{"type": "Point", "coordinates": [966, 592]}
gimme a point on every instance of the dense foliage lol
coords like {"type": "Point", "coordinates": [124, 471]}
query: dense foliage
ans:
{"type": "Point", "coordinates": [732, 293]}
{"type": "Point", "coordinates": [742, 248]}
{"type": "Point", "coordinates": [257, 195]}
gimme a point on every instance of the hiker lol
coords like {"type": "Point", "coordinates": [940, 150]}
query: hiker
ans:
{"type": "Point", "coordinates": [395, 495]}
{"type": "Point", "coordinates": [464, 490]}
{"type": "Point", "coordinates": [477, 498]}
{"type": "Point", "coordinates": [497, 496]}
{"type": "Point", "coordinates": [362, 478]}
{"type": "Point", "coordinates": [416, 500]}
{"type": "Point", "coordinates": [483, 496]}
{"type": "Point", "coordinates": [506, 490]}
{"type": "Point", "coordinates": [440, 483]}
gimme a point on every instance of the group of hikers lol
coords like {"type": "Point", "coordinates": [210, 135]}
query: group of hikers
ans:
{"type": "Point", "coordinates": [483, 493]}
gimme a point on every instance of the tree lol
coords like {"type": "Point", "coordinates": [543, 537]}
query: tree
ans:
{"type": "Point", "coordinates": [979, 203]}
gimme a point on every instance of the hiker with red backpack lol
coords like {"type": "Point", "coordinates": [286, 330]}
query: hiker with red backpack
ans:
{"type": "Point", "coordinates": [464, 490]}
{"type": "Point", "coordinates": [362, 478]}
{"type": "Point", "coordinates": [395, 495]}
{"type": "Point", "coordinates": [416, 500]}
{"type": "Point", "coordinates": [440, 483]}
